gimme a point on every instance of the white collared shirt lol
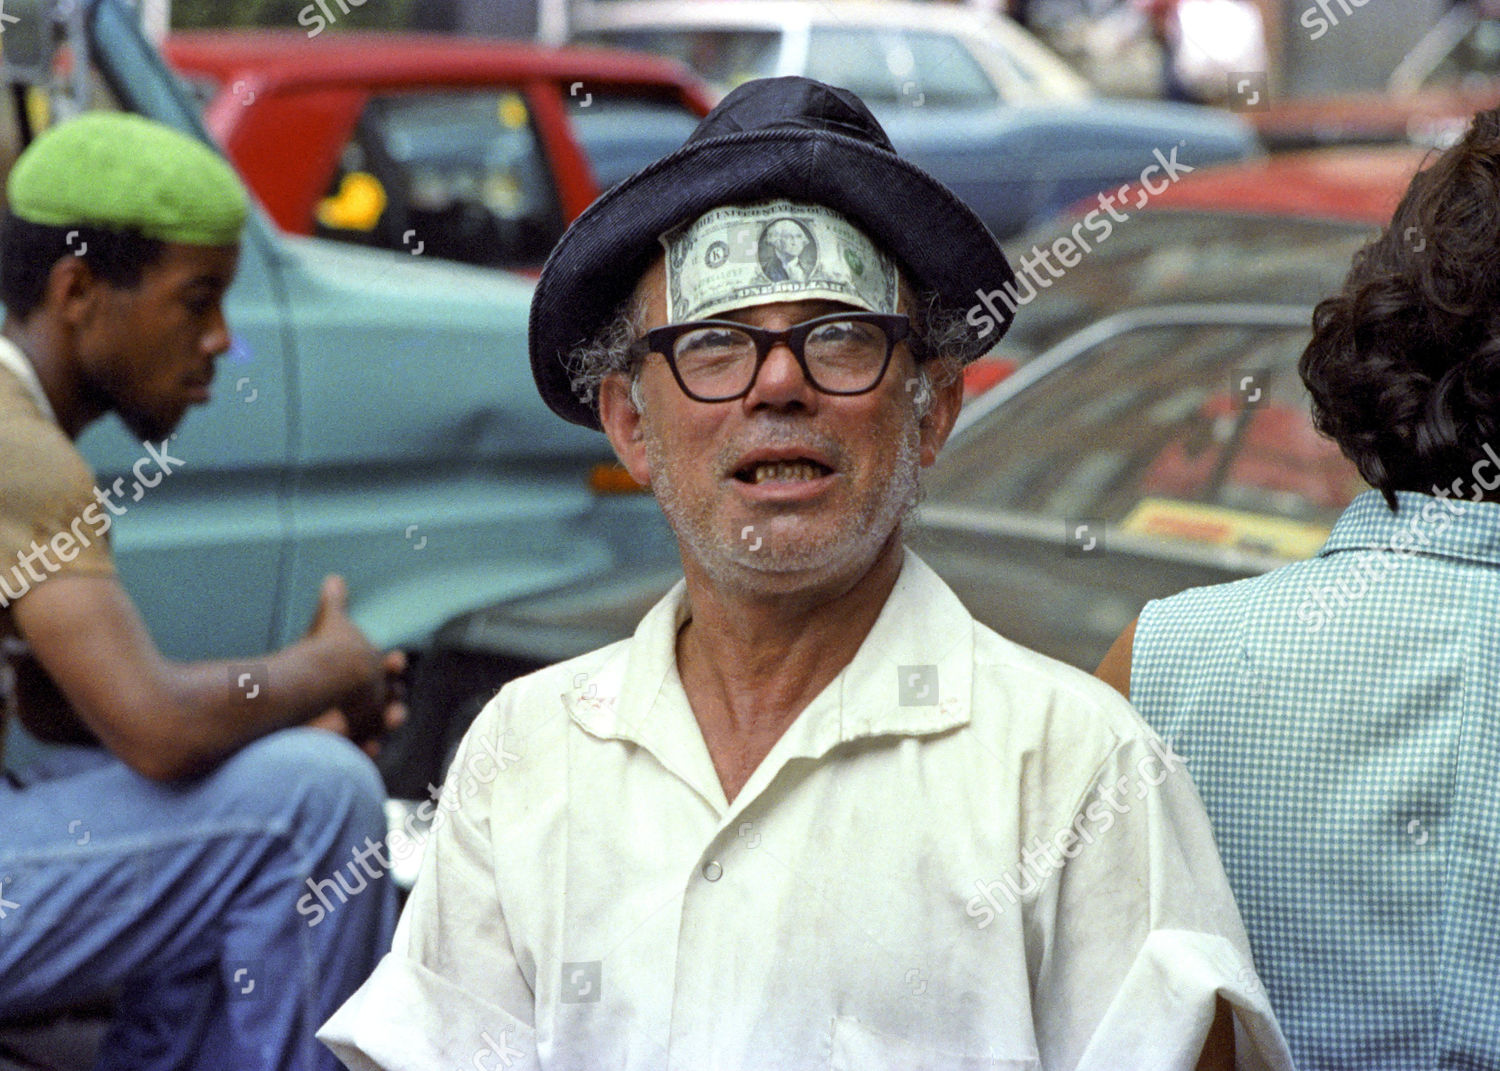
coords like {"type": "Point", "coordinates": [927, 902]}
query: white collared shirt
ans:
{"type": "Point", "coordinates": [878, 895]}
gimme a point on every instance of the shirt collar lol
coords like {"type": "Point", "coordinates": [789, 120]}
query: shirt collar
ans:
{"type": "Point", "coordinates": [1422, 524]}
{"type": "Point", "coordinates": [911, 676]}
{"type": "Point", "coordinates": [14, 360]}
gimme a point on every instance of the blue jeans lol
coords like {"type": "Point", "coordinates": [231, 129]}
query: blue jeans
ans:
{"type": "Point", "coordinates": [181, 900]}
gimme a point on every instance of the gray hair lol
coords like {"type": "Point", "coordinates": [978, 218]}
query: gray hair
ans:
{"type": "Point", "coordinates": [941, 333]}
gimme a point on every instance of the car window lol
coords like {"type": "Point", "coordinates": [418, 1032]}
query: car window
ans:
{"type": "Point", "coordinates": [623, 132]}
{"type": "Point", "coordinates": [1028, 77]}
{"type": "Point", "coordinates": [724, 57]}
{"type": "Point", "coordinates": [1175, 429]}
{"type": "Point", "coordinates": [1168, 257]}
{"type": "Point", "coordinates": [890, 67]}
{"type": "Point", "coordinates": [453, 174]}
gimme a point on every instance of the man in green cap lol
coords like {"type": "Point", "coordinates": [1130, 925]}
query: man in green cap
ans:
{"type": "Point", "coordinates": [165, 866]}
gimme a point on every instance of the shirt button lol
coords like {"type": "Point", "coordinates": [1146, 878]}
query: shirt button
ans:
{"type": "Point", "coordinates": [712, 871]}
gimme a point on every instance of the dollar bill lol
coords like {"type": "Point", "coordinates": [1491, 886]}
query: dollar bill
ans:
{"type": "Point", "coordinates": [742, 255]}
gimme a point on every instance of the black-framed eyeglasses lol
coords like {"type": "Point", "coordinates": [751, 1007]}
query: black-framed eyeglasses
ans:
{"type": "Point", "coordinates": [718, 360]}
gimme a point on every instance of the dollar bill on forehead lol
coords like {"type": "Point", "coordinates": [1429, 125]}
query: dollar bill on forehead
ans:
{"type": "Point", "coordinates": [741, 255]}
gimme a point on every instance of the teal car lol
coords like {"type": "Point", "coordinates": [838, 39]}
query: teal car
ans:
{"type": "Point", "coordinates": [376, 416]}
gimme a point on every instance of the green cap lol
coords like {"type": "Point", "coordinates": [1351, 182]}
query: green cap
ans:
{"type": "Point", "coordinates": [125, 172]}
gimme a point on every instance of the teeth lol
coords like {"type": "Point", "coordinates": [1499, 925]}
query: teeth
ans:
{"type": "Point", "coordinates": [786, 470]}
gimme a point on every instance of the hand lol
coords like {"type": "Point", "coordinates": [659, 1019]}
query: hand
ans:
{"type": "Point", "coordinates": [334, 721]}
{"type": "Point", "coordinates": [372, 703]}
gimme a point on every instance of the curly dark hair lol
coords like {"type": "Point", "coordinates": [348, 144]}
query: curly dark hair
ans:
{"type": "Point", "coordinates": [1404, 364]}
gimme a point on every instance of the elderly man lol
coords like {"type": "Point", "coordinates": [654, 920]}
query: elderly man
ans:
{"type": "Point", "coordinates": [812, 814]}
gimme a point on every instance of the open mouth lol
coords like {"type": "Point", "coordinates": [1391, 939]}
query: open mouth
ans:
{"type": "Point", "coordinates": [782, 471]}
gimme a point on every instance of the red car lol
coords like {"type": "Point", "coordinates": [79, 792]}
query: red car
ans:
{"type": "Point", "coordinates": [1348, 185]}
{"type": "Point", "coordinates": [470, 149]}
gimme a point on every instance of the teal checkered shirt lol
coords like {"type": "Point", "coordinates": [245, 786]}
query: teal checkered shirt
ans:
{"type": "Point", "coordinates": [1341, 718]}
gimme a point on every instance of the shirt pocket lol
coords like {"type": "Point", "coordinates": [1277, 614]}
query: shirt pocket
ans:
{"type": "Point", "coordinates": [857, 1047]}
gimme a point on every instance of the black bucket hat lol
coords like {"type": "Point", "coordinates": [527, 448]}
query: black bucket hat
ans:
{"type": "Point", "coordinates": [772, 137]}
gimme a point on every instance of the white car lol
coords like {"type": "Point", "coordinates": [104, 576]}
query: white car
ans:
{"type": "Point", "coordinates": [970, 97]}
{"type": "Point", "coordinates": [885, 52]}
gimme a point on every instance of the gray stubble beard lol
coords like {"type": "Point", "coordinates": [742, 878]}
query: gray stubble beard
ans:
{"type": "Point", "coordinates": [727, 558]}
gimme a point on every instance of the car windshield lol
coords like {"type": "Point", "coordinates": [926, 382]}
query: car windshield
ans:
{"type": "Point", "coordinates": [725, 57]}
{"type": "Point", "coordinates": [898, 67]}
{"type": "Point", "coordinates": [1185, 419]}
{"type": "Point", "coordinates": [460, 172]}
{"type": "Point", "coordinates": [1174, 257]}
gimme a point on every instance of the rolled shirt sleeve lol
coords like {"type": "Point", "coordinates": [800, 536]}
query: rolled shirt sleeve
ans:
{"type": "Point", "coordinates": [421, 1008]}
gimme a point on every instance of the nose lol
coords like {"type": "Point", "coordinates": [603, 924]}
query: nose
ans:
{"type": "Point", "coordinates": [781, 382]}
{"type": "Point", "coordinates": [216, 340]}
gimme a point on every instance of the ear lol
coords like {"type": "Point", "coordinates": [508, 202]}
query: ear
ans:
{"type": "Point", "coordinates": [622, 423]}
{"type": "Point", "coordinates": [936, 426]}
{"type": "Point", "coordinates": [74, 291]}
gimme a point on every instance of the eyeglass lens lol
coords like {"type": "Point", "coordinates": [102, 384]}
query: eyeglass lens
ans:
{"type": "Point", "coordinates": [842, 355]}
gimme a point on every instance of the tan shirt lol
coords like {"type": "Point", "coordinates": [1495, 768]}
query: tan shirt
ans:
{"type": "Point", "coordinates": [50, 525]}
